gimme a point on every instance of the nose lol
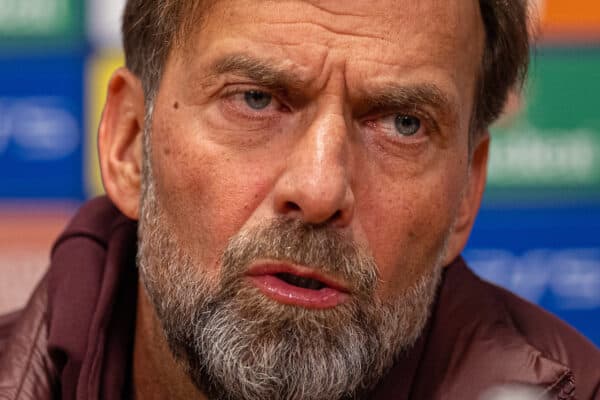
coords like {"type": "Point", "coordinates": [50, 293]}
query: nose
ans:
{"type": "Point", "coordinates": [315, 185]}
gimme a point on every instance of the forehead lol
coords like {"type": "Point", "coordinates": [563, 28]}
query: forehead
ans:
{"type": "Point", "coordinates": [369, 40]}
{"type": "Point", "coordinates": [359, 21]}
{"type": "Point", "coordinates": [384, 19]}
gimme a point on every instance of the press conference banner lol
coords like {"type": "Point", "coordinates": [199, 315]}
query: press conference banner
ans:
{"type": "Point", "coordinates": [538, 233]}
{"type": "Point", "coordinates": [548, 151]}
{"type": "Point", "coordinates": [40, 24]}
{"type": "Point", "coordinates": [41, 129]}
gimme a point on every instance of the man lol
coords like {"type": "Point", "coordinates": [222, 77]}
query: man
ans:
{"type": "Point", "coordinates": [305, 175]}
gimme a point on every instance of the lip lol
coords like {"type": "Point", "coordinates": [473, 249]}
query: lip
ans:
{"type": "Point", "coordinates": [263, 276]}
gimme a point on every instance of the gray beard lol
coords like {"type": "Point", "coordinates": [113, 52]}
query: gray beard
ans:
{"type": "Point", "coordinates": [236, 344]}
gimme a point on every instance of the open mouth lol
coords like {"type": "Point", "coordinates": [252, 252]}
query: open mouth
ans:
{"type": "Point", "coordinates": [297, 285]}
{"type": "Point", "coordinates": [302, 282]}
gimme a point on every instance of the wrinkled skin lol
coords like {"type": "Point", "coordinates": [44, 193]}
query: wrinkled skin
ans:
{"type": "Point", "coordinates": [219, 168]}
{"type": "Point", "coordinates": [325, 149]}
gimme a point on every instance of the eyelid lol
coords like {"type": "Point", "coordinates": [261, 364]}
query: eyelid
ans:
{"type": "Point", "coordinates": [231, 90]}
{"type": "Point", "coordinates": [428, 122]}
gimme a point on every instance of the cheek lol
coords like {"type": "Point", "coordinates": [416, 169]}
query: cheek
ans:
{"type": "Point", "coordinates": [205, 195]}
{"type": "Point", "coordinates": [409, 227]}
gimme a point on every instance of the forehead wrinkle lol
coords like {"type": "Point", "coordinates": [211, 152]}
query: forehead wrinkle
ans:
{"type": "Point", "coordinates": [318, 4]}
{"type": "Point", "coordinates": [352, 31]}
{"type": "Point", "coordinates": [373, 21]}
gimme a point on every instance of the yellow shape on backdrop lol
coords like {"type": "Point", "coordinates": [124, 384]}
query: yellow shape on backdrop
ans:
{"type": "Point", "coordinates": [99, 70]}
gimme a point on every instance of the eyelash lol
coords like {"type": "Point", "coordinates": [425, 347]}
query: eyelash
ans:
{"type": "Point", "coordinates": [229, 93]}
{"type": "Point", "coordinates": [427, 122]}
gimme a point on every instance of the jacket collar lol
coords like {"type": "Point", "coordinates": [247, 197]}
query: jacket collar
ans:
{"type": "Point", "coordinates": [92, 285]}
{"type": "Point", "coordinates": [471, 341]}
{"type": "Point", "coordinates": [92, 301]}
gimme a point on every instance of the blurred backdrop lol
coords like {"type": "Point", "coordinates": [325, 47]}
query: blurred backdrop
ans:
{"type": "Point", "coordinates": [538, 232]}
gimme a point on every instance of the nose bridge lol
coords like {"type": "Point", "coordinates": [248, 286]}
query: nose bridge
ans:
{"type": "Point", "coordinates": [323, 149]}
{"type": "Point", "coordinates": [316, 181]}
{"type": "Point", "coordinates": [324, 144]}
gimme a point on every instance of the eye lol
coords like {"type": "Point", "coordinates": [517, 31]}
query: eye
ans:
{"type": "Point", "coordinates": [407, 125]}
{"type": "Point", "coordinates": [257, 100]}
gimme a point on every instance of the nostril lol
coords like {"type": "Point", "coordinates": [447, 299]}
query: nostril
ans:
{"type": "Point", "coordinates": [337, 215]}
{"type": "Point", "coordinates": [291, 206]}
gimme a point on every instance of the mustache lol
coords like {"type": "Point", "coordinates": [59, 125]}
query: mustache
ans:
{"type": "Point", "coordinates": [317, 246]}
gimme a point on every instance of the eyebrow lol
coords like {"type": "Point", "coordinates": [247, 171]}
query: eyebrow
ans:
{"type": "Point", "coordinates": [259, 71]}
{"type": "Point", "coordinates": [390, 96]}
{"type": "Point", "coordinates": [393, 96]}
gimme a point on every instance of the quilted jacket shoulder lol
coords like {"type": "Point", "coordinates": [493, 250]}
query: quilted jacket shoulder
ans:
{"type": "Point", "coordinates": [26, 371]}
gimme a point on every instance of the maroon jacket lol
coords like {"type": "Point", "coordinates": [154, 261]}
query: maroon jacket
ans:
{"type": "Point", "coordinates": [74, 339]}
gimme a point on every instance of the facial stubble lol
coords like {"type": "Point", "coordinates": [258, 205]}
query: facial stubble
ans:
{"type": "Point", "coordinates": [235, 343]}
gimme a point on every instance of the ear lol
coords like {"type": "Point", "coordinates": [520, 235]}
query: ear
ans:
{"type": "Point", "coordinates": [120, 141]}
{"type": "Point", "coordinates": [472, 196]}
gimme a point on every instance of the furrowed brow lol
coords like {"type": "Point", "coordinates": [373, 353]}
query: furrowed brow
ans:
{"type": "Point", "coordinates": [260, 72]}
{"type": "Point", "coordinates": [400, 97]}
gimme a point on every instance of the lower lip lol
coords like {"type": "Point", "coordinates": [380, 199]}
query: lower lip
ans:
{"type": "Point", "coordinates": [285, 293]}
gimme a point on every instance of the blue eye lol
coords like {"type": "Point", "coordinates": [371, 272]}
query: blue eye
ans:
{"type": "Point", "coordinates": [407, 125]}
{"type": "Point", "coordinates": [257, 100]}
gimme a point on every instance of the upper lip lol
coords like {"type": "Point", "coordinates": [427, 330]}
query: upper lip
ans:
{"type": "Point", "coordinates": [277, 267]}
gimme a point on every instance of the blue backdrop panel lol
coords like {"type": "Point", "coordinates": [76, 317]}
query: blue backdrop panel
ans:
{"type": "Point", "coordinates": [41, 126]}
{"type": "Point", "coordinates": [550, 256]}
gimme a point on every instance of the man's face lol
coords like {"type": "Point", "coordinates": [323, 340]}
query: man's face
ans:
{"type": "Point", "coordinates": [349, 118]}
{"type": "Point", "coordinates": [370, 136]}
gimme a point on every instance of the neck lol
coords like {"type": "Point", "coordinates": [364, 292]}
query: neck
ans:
{"type": "Point", "coordinates": [156, 374]}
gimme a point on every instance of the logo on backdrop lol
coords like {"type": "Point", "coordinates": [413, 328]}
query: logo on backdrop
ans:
{"type": "Point", "coordinates": [571, 277]}
{"type": "Point", "coordinates": [37, 128]}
